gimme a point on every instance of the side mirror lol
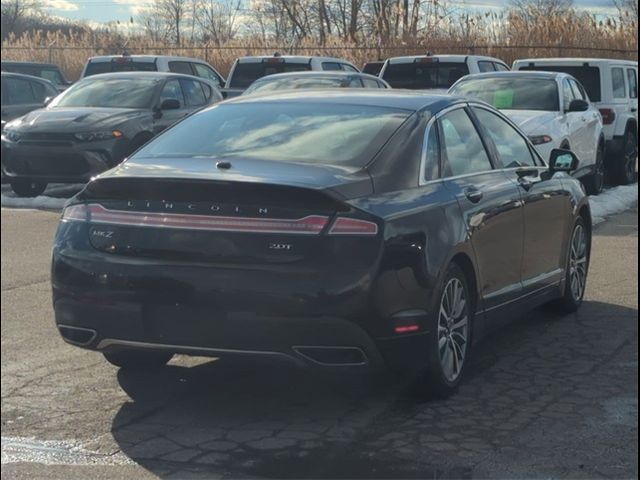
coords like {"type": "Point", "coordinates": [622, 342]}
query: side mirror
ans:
{"type": "Point", "coordinates": [578, 106]}
{"type": "Point", "coordinates": [563, 161]}
{"type": "Point", "coordinates": [47, 101]}
{"type": "Point", "coordinates": [170, 104]}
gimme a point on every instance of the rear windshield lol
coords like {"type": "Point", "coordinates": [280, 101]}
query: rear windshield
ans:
{"type": "Point", "coordinates": [512, 93]}
{"type": "Point", "coordinates": [119, 65]}
{"type": "Point", "coordinates": [418, 76]}
{"type": "Point", "coordinates": [244, 74]}
{"type": "Point", "coordinates": [330, 134]}
{"type": "Point", "coordinates": [589, 77]}
{"type": "Point", "coordinates": [109, 93]}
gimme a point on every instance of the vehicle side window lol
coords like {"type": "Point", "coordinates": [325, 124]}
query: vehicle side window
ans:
{"type": "Point", "coordinates": [193, 94]}
{"type": "Point", "coordinates": [567, 94]}
{"type": "Point", "coordinates": [54, 76]}
{"type": "Point", "coordinates": [349, 68]}
{"type": "Point", "coordinates": [617, 83]}
{"type": "Point", "coordinates": [172, 90]}
{"type": "Point", "coordinates": [39, 91]}
{"type": "Point", "coordinates": [204, 71]}
{"type": "Point", "coordinates": [180, 67]}
{"type": "Point", "coordinates": [632, 75]}
{"type": "Point", "coordinates": [431, 155]}
{"type": "Point", "coordinates": [331, 66]}
{"type": "Point", "coordinates": [485, 66]}
{"type": "Point", "coordinates": [20, 91]}
{"type": "Point", "coordinates": [577, 91]}
{"type": "Point", "coordinates": [208, 92]}
{"type": "Point", "coordinates": [512, 148]}
{"type": "Point", "coordinates": [369, 83]}
{"type": "Point", "coordinates": [462, 147]}
{"type": "Point", "coordinates": [501, 68]}
{"type": "Point", "coordinates": [4, 92]}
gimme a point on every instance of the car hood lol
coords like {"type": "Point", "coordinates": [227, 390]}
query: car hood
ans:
{"type": "Point", "coordinates": [532, 121]}
{"type": "Point", "coordinates": [75, 119]}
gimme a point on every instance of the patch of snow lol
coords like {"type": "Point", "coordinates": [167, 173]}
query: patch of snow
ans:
{"type": "Point", "coordinates": [612, 201]}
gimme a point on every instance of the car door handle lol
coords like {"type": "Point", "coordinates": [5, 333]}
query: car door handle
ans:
{"type": "Point", "coordinates": [473, 194]}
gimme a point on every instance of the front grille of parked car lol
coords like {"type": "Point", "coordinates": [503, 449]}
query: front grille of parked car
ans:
{"type": "Point", "coordinates": [47, 139]}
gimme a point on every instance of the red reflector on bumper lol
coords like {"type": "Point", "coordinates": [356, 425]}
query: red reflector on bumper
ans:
{"type": "Point", "coordinates": [406, 328]}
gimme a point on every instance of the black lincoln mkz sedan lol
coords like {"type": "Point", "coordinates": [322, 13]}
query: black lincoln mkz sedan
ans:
{"type": "Point", "coordinates": [327, 228]}
{"type": "Point", "coordinates": [94, 125]}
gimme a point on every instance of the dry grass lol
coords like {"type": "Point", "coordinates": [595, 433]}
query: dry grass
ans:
{"type": "Point", "coordinates": [504, 36]}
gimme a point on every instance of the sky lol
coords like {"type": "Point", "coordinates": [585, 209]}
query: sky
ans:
{"type": "Point", "coordinates": [103, 11]}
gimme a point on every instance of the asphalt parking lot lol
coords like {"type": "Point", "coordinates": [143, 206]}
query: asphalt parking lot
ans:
{"type": "Point", "coordinates": [545, 396]}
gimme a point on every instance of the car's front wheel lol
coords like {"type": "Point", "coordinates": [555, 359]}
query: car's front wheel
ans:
{"type": "Point", "coordinates": [449, 345]}
{"type": "Point", "coordinates": [138, 359]}
{"type": "Point", "coordinates": [28, 188]}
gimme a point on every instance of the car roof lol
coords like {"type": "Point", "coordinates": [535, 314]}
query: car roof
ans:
{"type": "Point", "coordinates": [321, 74]}
{"type": "Point", "coordinates": [289, 58]}
{"type": "Point", "coordinates": [575, 61]}
{"type": "Point", "coordinates": [28, 77]}
{"type": "Point", "coordinates": [519, 74]}
{"type": "Point", "coordinates": [142, 75]}
{"type": "Point", "coordinates": [143, 58]}
{"type": "Point", "coordinates": [401, 99]}
{"type": "Point", "coordinates": [444, 58]}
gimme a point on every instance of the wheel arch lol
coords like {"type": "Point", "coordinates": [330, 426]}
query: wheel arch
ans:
{"type": "Point", "coordinates": [464, 262]}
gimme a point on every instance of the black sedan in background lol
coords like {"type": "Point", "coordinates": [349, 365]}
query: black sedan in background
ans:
{"type": "Point", "coordinates": [333, 228]}
{"type": "Point", "coordinates": [95, 124]}
{"type": "Point", "coordinates": [22, 94]}
{"type": "Point", "coordinates": [314, 80]}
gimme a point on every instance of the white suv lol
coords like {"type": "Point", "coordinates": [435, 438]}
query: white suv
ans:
{"type": "Point", "coordinates": [436, 73]}
{"type": "Point", "coordinates": [152, 63]}
{"type": "Point", "coordinates": [612, 86]}
{"type": "Point", "coordinates": [552, 108]}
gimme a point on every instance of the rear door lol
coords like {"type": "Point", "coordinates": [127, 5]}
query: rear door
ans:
{"type": "Point", "coordinates": [575, 125]}
{"type": "Point", "coordinates": [547, 208]}
{"type": "Point", "coordinates": [490, 203]}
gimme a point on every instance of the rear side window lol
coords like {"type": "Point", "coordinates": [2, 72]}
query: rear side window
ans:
{"type": "Point", "coordinates": [501, 68]}
{"type": "Point", "coordinates": [244, 74]}
{"type": "Point", "coordinates": [203, 71]}
{"type": "Point", "coordinates": [369, 83]}
{"type": "Point", "coordinates": [193, 93]}
{"type": "Point", "coordinates": [589, 77]}
{"type": "Point", "coordinates": [632, 75]}
{"type": "Point", "coordinates": [485, 66]}
{"type": "Point", "coordinates": [432, 155]}
{"type": "Point", "coordinates": [20, 91]}
{"type": "Point", "coordinates": [180, 67]}
{"type": "Point", "coordinates": [349, 68]}
{"type": "Point", "coordinates": [331, 66]}
{"type": "Point", "coordinates": [617, 83]}
{"type": "Point", "coordinates": [463, 150]}
{"type": "Point", "coordinates": [419, 75]}
{"type": "Point", "coordinates": [512, 148]}
{"type": "Point", "coordinates": [119, 65]}
{"type": "Point", "coordinates": [356, 83]}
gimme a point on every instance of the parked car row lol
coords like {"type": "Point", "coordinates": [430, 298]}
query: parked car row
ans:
{"type": "Point", "coordinates": [586, 106]}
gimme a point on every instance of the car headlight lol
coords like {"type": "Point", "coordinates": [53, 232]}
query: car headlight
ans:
{"type": "Point", "coordinates": [540, 139]}
{"type": "Point", "coordinates": [11, 135]}
{"type": "Point", "coordinates": [97, 136]}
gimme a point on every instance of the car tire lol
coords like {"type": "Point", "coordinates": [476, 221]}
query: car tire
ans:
{"type": "Point", "coordinates": [577, 269]}
{"type": "Point", "coordinates": [27, 188]}
{"type": "Point", "coordinates": [138, 359]}
{"type": "Point", "coordinates": [594, 183]}
{"type": "Point", "coordinates": [448, 348]}
{"type": "Point", "coordinates": [624, 169]}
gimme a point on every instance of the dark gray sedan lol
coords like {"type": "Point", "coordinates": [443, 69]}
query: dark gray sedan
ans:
{"type": "Point", "coordinates": [95, 124]}
{"type": "Point", "coordinates": [314, 80]}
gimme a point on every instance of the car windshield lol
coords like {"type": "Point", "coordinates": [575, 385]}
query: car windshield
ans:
{"type": "Point", "coordinates": [244, 74]}
{"type": "Point", "coordinates": [333, 134]}
{"type": "Point", "coordinates": [419, 75]}
{"type": "Point", "coordinates": [512, 93]}
{"type": "Point", "coordinates": [108, 93]}
{"type": "Point", "coordinates": [267, 85]}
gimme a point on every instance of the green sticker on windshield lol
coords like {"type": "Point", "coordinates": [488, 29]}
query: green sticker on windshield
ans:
{"type": "Point", "coordinates": [503, 99]}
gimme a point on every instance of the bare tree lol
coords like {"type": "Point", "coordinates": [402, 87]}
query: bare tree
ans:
{"type": "Point", "coordinates": [15, 12]}
{"type": "Point", "coordinates": [532, 10]}
{"type": "Point", "coordinates": [219, 20]}
{"type": "Point", "coordinates": [174, 13]}
{"type": "Point", "coordinates": [628, 10]}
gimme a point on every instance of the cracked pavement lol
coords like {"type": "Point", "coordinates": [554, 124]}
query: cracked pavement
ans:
{"type": "Point", "coordinates": [544, 396]}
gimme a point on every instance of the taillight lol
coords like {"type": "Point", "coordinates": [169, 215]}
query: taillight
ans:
{"type": "Point", "coordinates": [76, 213]}
{"type": "Point", "coordinates": [353, 226]}
{"type": "Point", "coordinates": [608, 115]}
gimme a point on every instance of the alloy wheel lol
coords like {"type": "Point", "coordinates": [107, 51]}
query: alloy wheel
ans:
{"type": "Point", "coordinates": [630, 156]}
{"type": "Point", "coordinates": [453, 329]}
{"type": "Point", "coordinates": [578, 263]}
